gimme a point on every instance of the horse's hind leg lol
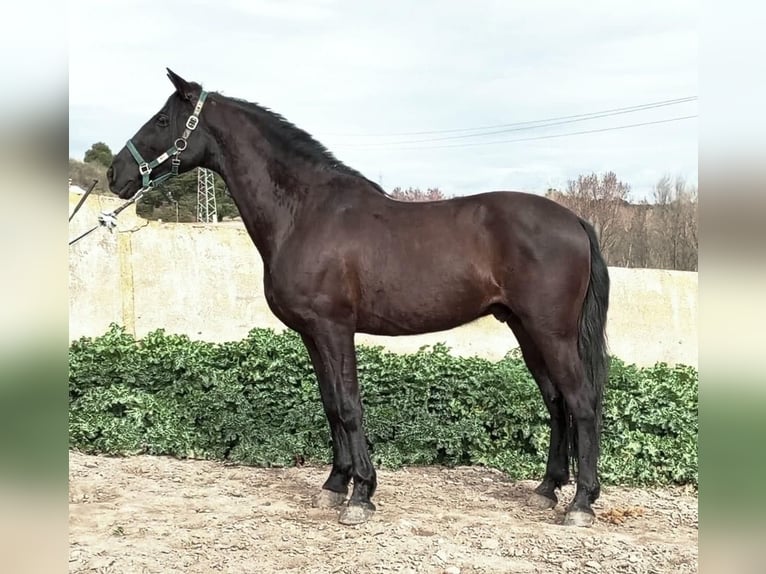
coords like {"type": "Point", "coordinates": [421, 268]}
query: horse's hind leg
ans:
{"type": "Point", "coordinates": [557, 467]}
{"type": "Point", "coordinates": [566, 370]}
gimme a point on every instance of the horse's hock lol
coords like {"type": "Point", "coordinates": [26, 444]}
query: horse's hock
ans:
{"type": "Point", "coordinates": [206, 281]}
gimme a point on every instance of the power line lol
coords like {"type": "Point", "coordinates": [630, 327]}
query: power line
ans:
{"type": "Point", "coordinates": [627, 109]}
{"type": "Point", "coordinates": [524, 126]}
{"type": "Point", "coordinates": [668, 120]}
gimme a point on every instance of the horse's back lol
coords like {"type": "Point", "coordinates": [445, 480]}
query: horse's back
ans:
{"type": "Point", "coordinates": [514, 227]}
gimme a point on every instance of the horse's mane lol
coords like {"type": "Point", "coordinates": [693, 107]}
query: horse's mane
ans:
{"type": "Point", "coordinates": [292, 139]}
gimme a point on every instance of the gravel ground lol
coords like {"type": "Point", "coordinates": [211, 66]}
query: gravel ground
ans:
{"type": "Point", "coordinates": [161, 515]}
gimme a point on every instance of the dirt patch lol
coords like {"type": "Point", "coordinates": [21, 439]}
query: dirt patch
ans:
{"type": "Point", "coordinates": [161, 515]}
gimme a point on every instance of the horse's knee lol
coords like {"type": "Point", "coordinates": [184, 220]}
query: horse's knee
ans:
{"type": "Point", "coordinates": [350, 416]}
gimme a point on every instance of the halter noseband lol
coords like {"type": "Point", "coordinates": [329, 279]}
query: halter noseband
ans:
{"type": "Point", "coordinates": [145, 169]}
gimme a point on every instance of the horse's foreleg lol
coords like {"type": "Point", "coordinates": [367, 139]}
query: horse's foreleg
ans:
{"type": "Point", "coordinates": [335, 488]}
{"type": "Point", "coordinates": [335, 349]}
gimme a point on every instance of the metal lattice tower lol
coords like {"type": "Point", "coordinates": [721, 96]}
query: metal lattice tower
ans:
{"type": "Point", "coordinates": [206, 208]}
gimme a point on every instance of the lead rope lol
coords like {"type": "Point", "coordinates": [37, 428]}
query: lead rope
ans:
{"type": "Point", "coordinates": [109, 219]}
{"type": "Point", "coordinates": [83, 198]}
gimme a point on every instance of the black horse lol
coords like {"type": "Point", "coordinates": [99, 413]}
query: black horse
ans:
{"type": "Point", "coordinates": [340, 256]}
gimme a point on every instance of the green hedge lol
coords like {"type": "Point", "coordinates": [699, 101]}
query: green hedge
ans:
{"type": "Point", "coordinates": [256, 402]}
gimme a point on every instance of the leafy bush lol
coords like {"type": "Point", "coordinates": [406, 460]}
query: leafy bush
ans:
{"type": "Point", "coordinates": [256, 401]}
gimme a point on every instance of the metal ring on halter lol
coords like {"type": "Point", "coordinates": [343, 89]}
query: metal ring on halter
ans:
{"type": "Point", "coordinates": [178, 145]}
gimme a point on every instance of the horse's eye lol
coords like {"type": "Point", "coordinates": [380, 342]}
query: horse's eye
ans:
{"type": "Point", "coordinates": [163, 121]}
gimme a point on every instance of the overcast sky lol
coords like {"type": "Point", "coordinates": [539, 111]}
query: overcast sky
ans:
{"type": "Point", "coordinates": [356, 75]}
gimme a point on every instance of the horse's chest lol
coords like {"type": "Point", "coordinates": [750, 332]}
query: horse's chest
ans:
{"type": "Point", "coordinates": [277, 300]}
{"type": "Point", "coordinates": [286, 300]}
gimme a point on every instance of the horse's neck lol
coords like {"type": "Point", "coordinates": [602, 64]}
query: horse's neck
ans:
{"type": "Point", "coordinates": [243, 160]}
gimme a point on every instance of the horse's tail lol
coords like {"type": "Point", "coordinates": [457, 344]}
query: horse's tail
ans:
{"type": "Point", "coordinates": [592, 337]}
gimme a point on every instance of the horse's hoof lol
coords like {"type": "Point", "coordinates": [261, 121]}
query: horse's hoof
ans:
{"type": "Point", "coordinates": [540, 502]}
{"type": "Point", "coordinates": [329, 499]}
{"type": "Point", "coordinates": [579, 518]}
{"type": "Point", "coordinates": [356, 514]}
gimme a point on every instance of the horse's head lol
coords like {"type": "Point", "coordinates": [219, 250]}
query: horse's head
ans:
{"type": "Point", "coordinates": [171, 142]}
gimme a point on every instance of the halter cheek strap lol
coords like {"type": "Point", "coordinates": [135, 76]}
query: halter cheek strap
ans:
{"type": "Point", "coordinates": [145, 168]}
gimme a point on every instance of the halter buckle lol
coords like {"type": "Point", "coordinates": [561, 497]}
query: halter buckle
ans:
{"type": "Point", "coordinates": [192, 122]}
{"type": "Point", "coordinates": [144, 169]}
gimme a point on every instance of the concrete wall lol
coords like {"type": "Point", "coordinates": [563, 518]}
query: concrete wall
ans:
{"type": "Point", "coordinates": [206, 281]}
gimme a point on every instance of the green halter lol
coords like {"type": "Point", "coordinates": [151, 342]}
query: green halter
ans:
{"type": "Point", "coordinates": [145, 169]}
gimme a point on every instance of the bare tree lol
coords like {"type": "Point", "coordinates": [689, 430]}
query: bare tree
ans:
{"type": "Point", "coordinates": [674, 233]}
{"type": "Point", "coordinates": [631, 248]}
{"type": "Point", "coordinates": [415, 194]}
{"type": "Point", "coordinates": [693, 228]}
{"type": "Point", "coordinates": [659, 234]}
{"type": "Point", "coordinates": [601, 200]}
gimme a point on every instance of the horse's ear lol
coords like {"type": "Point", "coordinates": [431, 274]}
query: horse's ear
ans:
{"type": "Point", "coordinates": [183, 87]}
